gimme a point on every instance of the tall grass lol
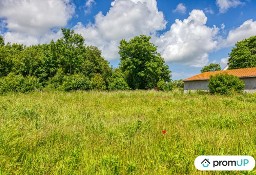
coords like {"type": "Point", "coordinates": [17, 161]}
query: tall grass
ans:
{"type": "Point", "coordinates": [121, 132]}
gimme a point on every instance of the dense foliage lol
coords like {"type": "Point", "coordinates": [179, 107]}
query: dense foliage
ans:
{"type": "Point", "coordinates": [243, 55]}
{"type": "Point", "coordinates": [142, 66]}
{"type": "Point", "coordinates": [225, 84]}
{"type": "Point", "coordinates": [211, 68]}
{"type": "Point", "coordinates": [68, 64]}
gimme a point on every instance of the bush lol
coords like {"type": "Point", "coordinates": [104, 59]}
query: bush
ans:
{"type": "Point", "coordinates": [98, 82]}
{"type": "Point", "coordinates": [18, 83]}
{"type": "Point", "coordinates": [178, 84]}
{"type": "Point", "coordinates": [164, 86]}
{"type": "Point", "coordinates": [225, 84]}
{"type": "Point", "coordinates": [76, 82]}
{"type": "Point", "coordinates": [56, 81]}
{"type": "Point", "coordinates": [117, 81]}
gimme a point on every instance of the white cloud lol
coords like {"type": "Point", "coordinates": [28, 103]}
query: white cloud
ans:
{"type": "Point", "coordinates": [246, 30]}
{"type": "Point", "coordinates": [23, 38]}
{"type": "Point", "coordinates": [209, 11]}
{"type": "Point", "coordinates": [189, 41]}
{"type": "Point", "coordinates": [224, 5]}
{"type": "Point", "coordinates": [124, 20]}
{"type": "Point", "coordinates": [181, 8]}
{"type": "Point", "coordinates": [30, 21]}
{"type": "Point", "coordinates": [88, 5]}
{"type": "Point", "coordinates": [35, 17]}
{"type": "Point", "coordinates": [14, 37]}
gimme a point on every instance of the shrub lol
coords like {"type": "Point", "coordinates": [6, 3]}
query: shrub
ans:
{"type": "Point", "coordinates": [98, 82]}
{"type": "Point", "coordinates": [117, 81]}
{"type": "Point", "coordinates": [164, 86]}
{"type": "Point", "coordinates": [18, 83]}
{"type": "Point", "coordinates": [178, 84]}
{"type": "Point", "coordinates": [56, 81]}
{"type": "Point", "coordinates": [225, 84]}
{"type": "Point", "coordinates": [76, 82]}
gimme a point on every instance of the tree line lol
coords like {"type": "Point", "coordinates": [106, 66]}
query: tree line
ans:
{"type": "Point", "coordinates": [68, 64]}
{"type": "Point", "coordinates": [243, 55]}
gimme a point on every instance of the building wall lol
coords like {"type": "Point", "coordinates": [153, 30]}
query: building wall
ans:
{"type": "Point", "coordinates": [196, 85]}
{"type": "Point", "coordinates": [250, 85]}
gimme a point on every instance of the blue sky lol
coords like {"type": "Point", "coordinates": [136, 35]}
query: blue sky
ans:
{"type": "Point", "coordinates": [188, 34]}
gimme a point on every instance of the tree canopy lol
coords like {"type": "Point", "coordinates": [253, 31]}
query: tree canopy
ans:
{"type": "Point", "coordinates": [243, 55]}
{"type": "Point", "coordinates": [142, 66]}
{"type": "Point", "coordinates": [211, 68]}
{"type": "Point", "coordinates": [68, 64]}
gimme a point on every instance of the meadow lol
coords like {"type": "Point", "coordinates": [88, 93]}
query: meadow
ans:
{"type": "Point", "coordinates": [122, 132]}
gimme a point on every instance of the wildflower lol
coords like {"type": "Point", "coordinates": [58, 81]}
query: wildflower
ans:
{"type": "Point", "coordinates": [164, 131]}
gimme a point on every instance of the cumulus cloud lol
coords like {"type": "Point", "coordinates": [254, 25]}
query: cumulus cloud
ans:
{"type": "Point", "coordinates": [189, 41]}
{"type": "Point", "coordinates": [224, 5]}
{"type": "Point", "coordinates": [26, 39]}
{"type": "Point", "coordinates": [181, 8]}
{"type": "Point", "coordinates": [124, 20]}
{"type": "Point", "coordinates": [88, 5]}
{"type": "Point", "coordinates": [246, 30]}
{"type": "Point", "coordinates": [29, 21]}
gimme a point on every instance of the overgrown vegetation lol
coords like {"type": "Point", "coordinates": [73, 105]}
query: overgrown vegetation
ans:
{"type": "Point", "coordinates": [225, 84]}
{"type": "Point", "coordinates": [243, 55]}
{"type": "Point", "coordinates": [68, 64]}
{"type": "Point", "coordinates": [121, 132]}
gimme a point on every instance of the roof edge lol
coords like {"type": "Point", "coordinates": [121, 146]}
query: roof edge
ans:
{"type": "Point", "coordinates": [216, 74]}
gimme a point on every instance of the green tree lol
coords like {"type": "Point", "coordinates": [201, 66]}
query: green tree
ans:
{"type": "Point", "coordinates": [1, 41]}
{"type": "Point", "coordinates": [65, 64]}
{"type": "Point", "coordinates": [142, 66]}
{"type": "Point", "coordinates": [225, 84]}
{"type": "Point", "coordinates": [243, 55]}
{"type": "Point", "coordinates": [69, 50]}
{"type": "Point", "coordinates": [211, 68]}
{"type": "Point", "coordinates": [9, 56]}
{"type": "Point", "coordinates": [6, 63]}
{"type": "Point", "coordinates": [94, 63]}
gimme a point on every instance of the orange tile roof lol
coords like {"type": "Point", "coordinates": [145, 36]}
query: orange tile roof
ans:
{"type": "Point", "coordinates": [245, 72]}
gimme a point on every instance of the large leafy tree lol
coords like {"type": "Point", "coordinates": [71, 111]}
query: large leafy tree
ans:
{"type": "Point", "coordinates": [243, 55]}
{"type": "Point", "coordinates": [142, 66]}
{"type": "Point", "coordinates": [211, 68]}
{"type": "Point", "coordinates": [70, 49]}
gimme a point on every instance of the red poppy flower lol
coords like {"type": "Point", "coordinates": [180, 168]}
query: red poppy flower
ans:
{"type": "Point", "coordinates": [164, 131]}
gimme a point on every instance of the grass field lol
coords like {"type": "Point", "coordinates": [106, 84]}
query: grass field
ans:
{"type": "Point", "coordinates": [121, 132]}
